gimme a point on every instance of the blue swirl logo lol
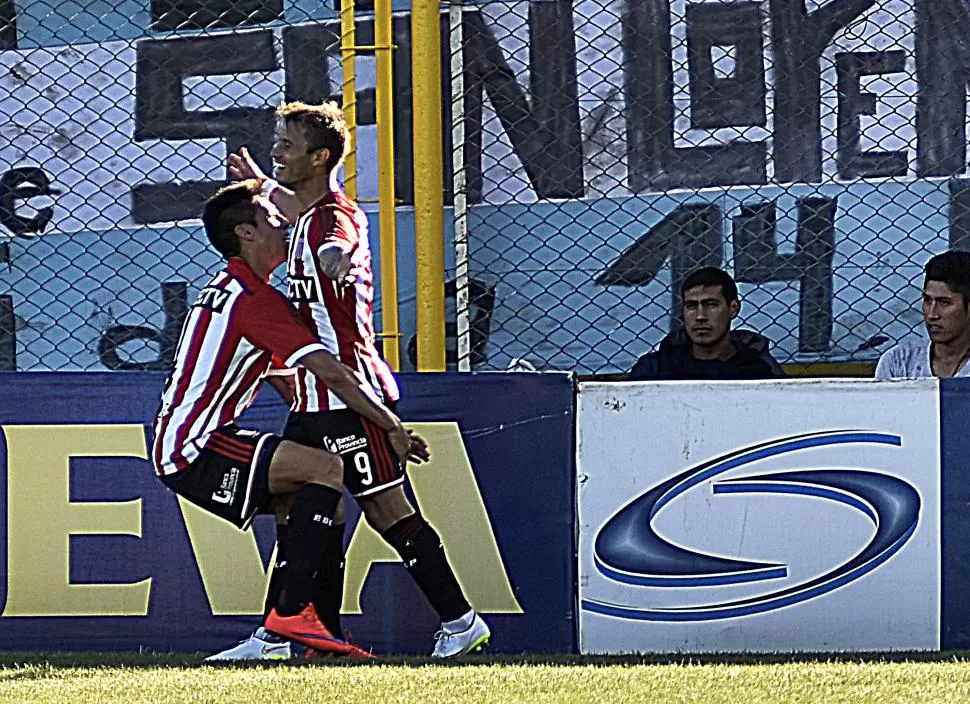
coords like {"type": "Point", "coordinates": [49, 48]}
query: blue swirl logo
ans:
{"type": "Point", "coordinates": [628, 550]}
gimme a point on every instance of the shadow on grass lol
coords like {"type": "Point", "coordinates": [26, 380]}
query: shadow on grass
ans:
{"type": "Point", "coordinates": [36, 665]}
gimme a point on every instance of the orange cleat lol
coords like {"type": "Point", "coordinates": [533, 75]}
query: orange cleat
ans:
{"type": "Point", "coordinates": [358, 653]}
{"type": "Point", "coordinates": [306, 628]}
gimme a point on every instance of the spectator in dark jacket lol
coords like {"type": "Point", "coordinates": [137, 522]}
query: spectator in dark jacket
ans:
{"type": "Point", "coordinates": [706, 348]}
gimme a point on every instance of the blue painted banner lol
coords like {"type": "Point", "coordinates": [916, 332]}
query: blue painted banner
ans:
{"type": "Point", "coordinates": [98, 555]}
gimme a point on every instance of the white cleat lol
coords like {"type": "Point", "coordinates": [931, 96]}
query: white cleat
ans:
{"type": "Point", "coordinates": [468, 634]}
{"type": "Point", "coordinates": [261, 645]}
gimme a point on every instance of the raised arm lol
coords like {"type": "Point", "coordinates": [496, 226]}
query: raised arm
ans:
{"type": "Point", "coordinates": [243, 166]}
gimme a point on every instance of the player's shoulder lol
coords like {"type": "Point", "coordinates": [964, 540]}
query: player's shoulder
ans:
{"type": "Point", "coordinates": [227, 282]}
{"type": "Point", "coordinates": [343, 200]}
{"type": "Point", "coordinates": [322, 214]}
{"type": "Point", "coordinates": [332, 201]}
{"type": "Point", "coordinates": [224, 293]}
{"type": "Point", "coordinates": [240, 276]}
{"type": "Point", "coordinates": [347, 207]}
{"type": "Point", "coordinates": [221, 279]}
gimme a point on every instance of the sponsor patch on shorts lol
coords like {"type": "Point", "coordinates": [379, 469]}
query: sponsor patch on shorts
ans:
{"type": "Point", "coordinates": [347, 443]}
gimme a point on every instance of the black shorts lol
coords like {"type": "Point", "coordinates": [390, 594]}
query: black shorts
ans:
{"type": "Point", "coordinates": [370, 465]}
{"type": "Point", "coordinates": [230, 478]}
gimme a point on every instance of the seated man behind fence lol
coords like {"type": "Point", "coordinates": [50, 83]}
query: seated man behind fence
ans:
{"type": "Point", "coordinates": [946, 315]}
{"type": "Point", "coordinates": [706, 348]}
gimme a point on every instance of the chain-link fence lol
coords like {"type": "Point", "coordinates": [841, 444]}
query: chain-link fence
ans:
{"type": "Point", "coordinates": [812, 149]}
{"type": "Point", "coordinates": [606, 148]}
{"type": "Point", "coordinates": [117, 119]}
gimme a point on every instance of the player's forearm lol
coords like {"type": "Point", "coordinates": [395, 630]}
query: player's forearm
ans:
{"type": "Point", "coordinates": [350, 389]}
{"type": "Point", "coordinates": [360, 399]}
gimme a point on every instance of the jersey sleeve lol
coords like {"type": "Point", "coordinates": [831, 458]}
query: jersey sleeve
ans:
{"type": "Point", "coordinates": [268, 321]}
{"type": "Point", "coordinates": [277, 367]}
{"type": "Point", "coordinates": [333, 224]}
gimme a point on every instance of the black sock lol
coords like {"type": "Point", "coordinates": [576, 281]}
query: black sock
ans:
{"type": "Point", "coordinates": [328, 585]}
{"type": "Point", "coordinates": [277, 576]}
{"type": "Point", "coordinates": [311, 518]}
{"type": "Point", "coordinates": [424, 558]}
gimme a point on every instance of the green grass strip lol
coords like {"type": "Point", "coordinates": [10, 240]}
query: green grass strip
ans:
{"type": "Point", "coordinates": [86, 678]}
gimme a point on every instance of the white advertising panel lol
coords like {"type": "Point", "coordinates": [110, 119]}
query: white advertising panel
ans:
{"type": "Point", "coordinates": [759, 516]}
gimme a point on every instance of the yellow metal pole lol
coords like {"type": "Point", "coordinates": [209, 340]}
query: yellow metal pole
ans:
{"type": "Point", "coordinates": [428, 183]}
{"type": "Point", "coordinates": [385, 180]}
{"type": "Point", "coordinates": [348, 53]}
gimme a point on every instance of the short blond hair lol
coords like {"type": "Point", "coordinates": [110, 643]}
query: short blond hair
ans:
{"type": "Point", "coordinates": [324, 127]}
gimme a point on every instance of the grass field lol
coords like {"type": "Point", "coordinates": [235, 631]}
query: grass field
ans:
{"type": "Point", "coordinates": [90, 678]}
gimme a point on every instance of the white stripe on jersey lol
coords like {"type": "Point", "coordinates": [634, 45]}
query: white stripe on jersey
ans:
{"type": "Point", "coordinates": [203, 386]}
{"type": "Point", "coordinates": [302, 254]}
{"type": "Point", "coordinates": [369, 374]}
{"type": "Point", "coordinates": [298, 388]}
{"type": "Point", "coordinates": [361, 314]}
{"type": "Point", "coordinates": [242, 361]}
{"type": "Point", "coordinates": [292, 361]}
{"type": "Point", "coordinates": [198, 371]}
{"type": "Point", "coordinates": [326, 332]}
{"type": "Point", "coordinates": [337, 334]}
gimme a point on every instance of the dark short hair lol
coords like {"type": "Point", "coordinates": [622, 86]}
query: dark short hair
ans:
{"type": "Point", "coordinates": [953, 269]}
{"type": "Point", "coordinates": [232, 205]}
{"type": "Point", "coordinates": [324, 127]}
{"type": "Point", "coordinates": [711, 276]}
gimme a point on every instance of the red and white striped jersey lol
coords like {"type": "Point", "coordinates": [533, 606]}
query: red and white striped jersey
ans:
{"type": "Point", "coordinates": [340, 312]}
{"type": "Point", "coordinates": [230, 335]}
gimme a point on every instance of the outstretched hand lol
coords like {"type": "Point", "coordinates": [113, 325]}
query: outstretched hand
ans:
{"type": "Point", "coordinates": [242, 166]}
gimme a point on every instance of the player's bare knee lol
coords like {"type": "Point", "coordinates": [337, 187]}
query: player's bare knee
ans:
{"type": "Point", "coordinates": [323, 468]}
{"type": "Point", "coordinates": [294, 465]}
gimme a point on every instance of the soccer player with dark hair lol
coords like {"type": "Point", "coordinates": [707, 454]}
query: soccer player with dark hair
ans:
{"type": "Point", "coordinates": [331, 284]}
{"type": "Point", "coordinates": [706, 348]}
{"type": "Point", "coordinates": [946, 315]}
{"type": "Point", "coordinates": [231, 333]}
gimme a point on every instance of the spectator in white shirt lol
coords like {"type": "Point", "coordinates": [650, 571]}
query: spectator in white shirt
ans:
{"type": "Point", "coordinates": [946, 314]}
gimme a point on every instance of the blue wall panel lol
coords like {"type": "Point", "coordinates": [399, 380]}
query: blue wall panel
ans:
{"type": "Point", "coordinates": [955, 513]}
{"type": "Point", "coordinates": [517, 430]}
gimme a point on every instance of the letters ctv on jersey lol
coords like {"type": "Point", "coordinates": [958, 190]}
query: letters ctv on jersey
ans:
{"type": "Point", "coordinates": [90, 535]}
